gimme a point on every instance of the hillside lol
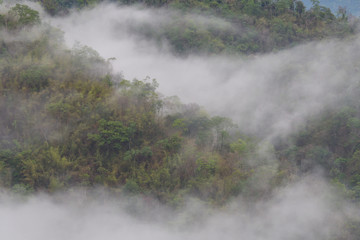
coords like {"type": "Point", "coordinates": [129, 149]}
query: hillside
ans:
{"type": "Point", "coordinates": [68, 120]}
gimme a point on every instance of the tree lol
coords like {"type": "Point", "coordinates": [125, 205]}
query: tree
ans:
{"type": "Point", "coordinates": [253, 7]}
{"type": "Point", "coordinates": [315, 6]}
{"type": "Point", "coordinates": [342, 13]}
{"type": "Point", "coordinates": [284, 5]}
{"type": "Point", "coordinates": [299, 7]}
{"type": "Point", "coordinates": [21, 16]}
{"type": "Point", "coordinates": [315, 3]}
{"type": "Point", "coordinates": [51, 6]}
{"type": "Point", "coordinates": [113, 135]}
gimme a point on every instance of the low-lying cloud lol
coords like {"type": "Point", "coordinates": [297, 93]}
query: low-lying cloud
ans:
{"type": "Point", "coordinates": [307, 209]}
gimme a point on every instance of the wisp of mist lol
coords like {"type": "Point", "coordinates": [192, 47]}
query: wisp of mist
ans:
{"type": "Point", "coordinates": [308, 209]}
{"type": "Point", "coordinates": [269, 93]}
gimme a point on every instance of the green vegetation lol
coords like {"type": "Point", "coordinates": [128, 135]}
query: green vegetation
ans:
{"type": "Point", "coordinates": [18, 17]}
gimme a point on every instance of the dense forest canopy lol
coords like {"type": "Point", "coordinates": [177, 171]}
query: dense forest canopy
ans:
{"type": "Point", "coordinates": [67, 120]}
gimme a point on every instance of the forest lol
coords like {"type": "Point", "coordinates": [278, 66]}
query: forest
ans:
{"type": "Point", "coordinates": [68, 120]}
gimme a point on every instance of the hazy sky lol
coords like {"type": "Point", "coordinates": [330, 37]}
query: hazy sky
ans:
{"type": "Point", "coordinates": [352, 6]}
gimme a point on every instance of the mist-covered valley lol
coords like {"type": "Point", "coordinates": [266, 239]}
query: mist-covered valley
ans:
{"type": "Point", "coordinates": [250, 130]}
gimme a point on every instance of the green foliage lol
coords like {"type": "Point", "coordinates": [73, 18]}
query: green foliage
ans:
{"type": "Point", "coordinates": [131, 187]}
{"type": "Point", "coordinates": [21, 16]}
{"type": "Point", "coordinates": [60, 7]}
{"type": "Point", "coordinates": [206, 166]}
{"type": "Point", "coordinates": [113, 135]}
{"type": "Point", "coordinates": [331, 142]}
{"type": "Point", "coordinates": [172, 144]}
{"type": "Point", "coordinates": [45, 168]}
{"type": "Point", "coordinates": [240, 147]}
{"type": "Point", "coordinates": [299, 8]}
{"type": "Point", "coordinates": [34, 79]}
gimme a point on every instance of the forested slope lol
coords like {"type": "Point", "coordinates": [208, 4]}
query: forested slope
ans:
{"type": "Point", "coordinates": [68, 121]}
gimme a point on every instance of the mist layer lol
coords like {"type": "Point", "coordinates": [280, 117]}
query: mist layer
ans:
{"type": "Point", "coordinates": [309, 209]}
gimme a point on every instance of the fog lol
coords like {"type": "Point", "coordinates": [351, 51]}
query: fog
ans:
{"type": "Point", "coordinates": [303, 210]}
{"type": "Point", "coordinates": [269, 93]}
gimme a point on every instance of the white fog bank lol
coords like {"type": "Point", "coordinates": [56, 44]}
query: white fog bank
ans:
{"type": "Point", "coordinates": [309, 209]}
